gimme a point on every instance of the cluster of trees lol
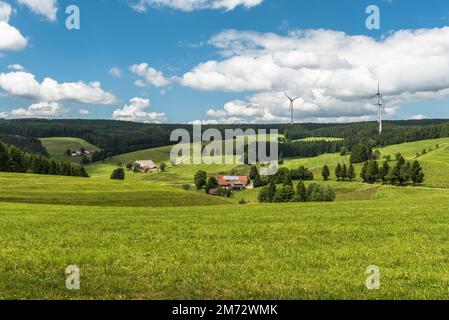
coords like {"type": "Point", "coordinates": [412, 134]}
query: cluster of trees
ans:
{"type": "Point", "coordinates": [361, 153]}
{"type": "Point", "coordinates": [401, 174]}
{"type": "Point", "coordinates": [283, 175]}
{"type": "Point", "coordinates": [286, 193]}
{"type": "Point", "coordinates": [342, 172]}
{"type": "Point", "coordinates": [14, 160]}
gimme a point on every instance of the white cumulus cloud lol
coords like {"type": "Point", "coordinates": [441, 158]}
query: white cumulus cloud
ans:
{"type": "Point", "coordinates": [136, 111]}
{"type": "Point", "coordinates": [24, 85]}
{"type": "Point", "coordinates": [46, 8]}
{"type": "Point", "coordinates": [148, 76]}
{"type": "Point", "coordinates": [334, 73]}
{"type": "Point", "coordinates": [191, 5]}
{"type": "Point", "coordinates": [10, 37]}
{"type": "Point", "coordinates": [39, 110]}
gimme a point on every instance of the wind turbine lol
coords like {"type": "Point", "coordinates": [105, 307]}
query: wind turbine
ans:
{"type": "Point", "coordinates": [292, 104]}
{"type": "Point", "coordinates": [379, 102]}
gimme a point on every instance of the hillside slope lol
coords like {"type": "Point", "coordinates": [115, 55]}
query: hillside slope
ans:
{"type": "Point", "coordinates": [28, 188]}
{"type": "Point", "coordinates": [57, 147]}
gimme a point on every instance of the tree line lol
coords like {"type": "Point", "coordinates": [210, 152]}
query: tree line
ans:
{"type": "Point", "coordinates": [26, 144]}
{"type": "Point", "coordinates": [14, 160]}
{"type": "Point", "coordinates": [402, 173]}
{"type": "Point", "coordinates": [286, 193]}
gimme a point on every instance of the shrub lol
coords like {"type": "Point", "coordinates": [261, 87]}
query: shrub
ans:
{"type": "Point", "coordinates": [223, 192]}
{"type": "Point", "coordinates": [118, 174]}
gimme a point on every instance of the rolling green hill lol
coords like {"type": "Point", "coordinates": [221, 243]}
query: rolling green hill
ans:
{"type": "Point", "coordinates": [27, 188]}
{"type": "Point", "coordinates": [57, 147]}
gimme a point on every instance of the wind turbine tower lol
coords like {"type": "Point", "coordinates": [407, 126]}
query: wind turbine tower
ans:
{"type": "Point", "coordinates": [292, 105]}
{"type": "Point", "coordinates": [379, 102]}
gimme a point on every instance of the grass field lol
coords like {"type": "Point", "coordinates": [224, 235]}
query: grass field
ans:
{"type": "Point", "coordinates": [292, 251]}
{"type": "Point", "coordinates": [99, 192]}
{"type": "Point", "coordinates": [57, 147]}
{"type": "Point", "coordinates": [142, 238]}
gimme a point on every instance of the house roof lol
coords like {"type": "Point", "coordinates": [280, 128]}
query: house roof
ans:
{"type": "Point", "coordinates": [146, 163]}
{"type": "Point", "coordinates": [232, 180]}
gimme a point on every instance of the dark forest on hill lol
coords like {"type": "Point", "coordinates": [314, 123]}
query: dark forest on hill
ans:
{"type": "Point", "coordinates": [118, 137]}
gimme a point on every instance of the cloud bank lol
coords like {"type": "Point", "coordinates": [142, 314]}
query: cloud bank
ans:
{"type": "Point", "coordinates": [24, 85]}
{"type": "Point", "coordinates": [334, 73]}
{"type": "Point", "coordinates": [191, 5]}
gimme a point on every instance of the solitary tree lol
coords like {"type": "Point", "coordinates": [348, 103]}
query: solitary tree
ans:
{"type": "Point", "coordinates": [351, 172]}
{"type": "Point", "coordinates": [163, 166]}
{"type": "Point", "coordinates": [200, 179]}
{"type": "Point", "coordinates": [339, 172]}
{"type": "Point", "coordinates": [417, 174]}
{"type": "Point", "coordinates": [326, 173]}
{"type": "Point", "coordinates": [344, 172]}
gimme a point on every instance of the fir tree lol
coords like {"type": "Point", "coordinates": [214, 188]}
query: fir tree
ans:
{"type": "Point", "coordinates": [339, 172]}
{"type": "Point", "coordinates": [326, 173]}
{"type": "Point", "coordinates": [351, 172]}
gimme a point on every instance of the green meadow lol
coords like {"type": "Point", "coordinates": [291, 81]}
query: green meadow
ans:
{"type": "Point", "coordinates": [148, 238]}
{"type": "Point", "coordinates": [58, 146]}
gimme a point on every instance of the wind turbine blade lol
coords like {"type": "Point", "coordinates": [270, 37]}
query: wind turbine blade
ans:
{"type": "Point", "coordinates": [287, 96]}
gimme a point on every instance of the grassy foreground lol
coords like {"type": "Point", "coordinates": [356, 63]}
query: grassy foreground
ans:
{"type": "Point", "coordinates": [292, 251]}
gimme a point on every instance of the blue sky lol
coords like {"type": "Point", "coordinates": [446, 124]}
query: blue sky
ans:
{"type": "Point", "coordinates": [247, 47]}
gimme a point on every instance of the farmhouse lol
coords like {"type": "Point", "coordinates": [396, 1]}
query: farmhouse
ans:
{"type": "Point", "coordinates": [233, 182]}
{"type": "Point", "coordinates": [82, 153]}
{"type": "Point", "coordinates": [144, 166]}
